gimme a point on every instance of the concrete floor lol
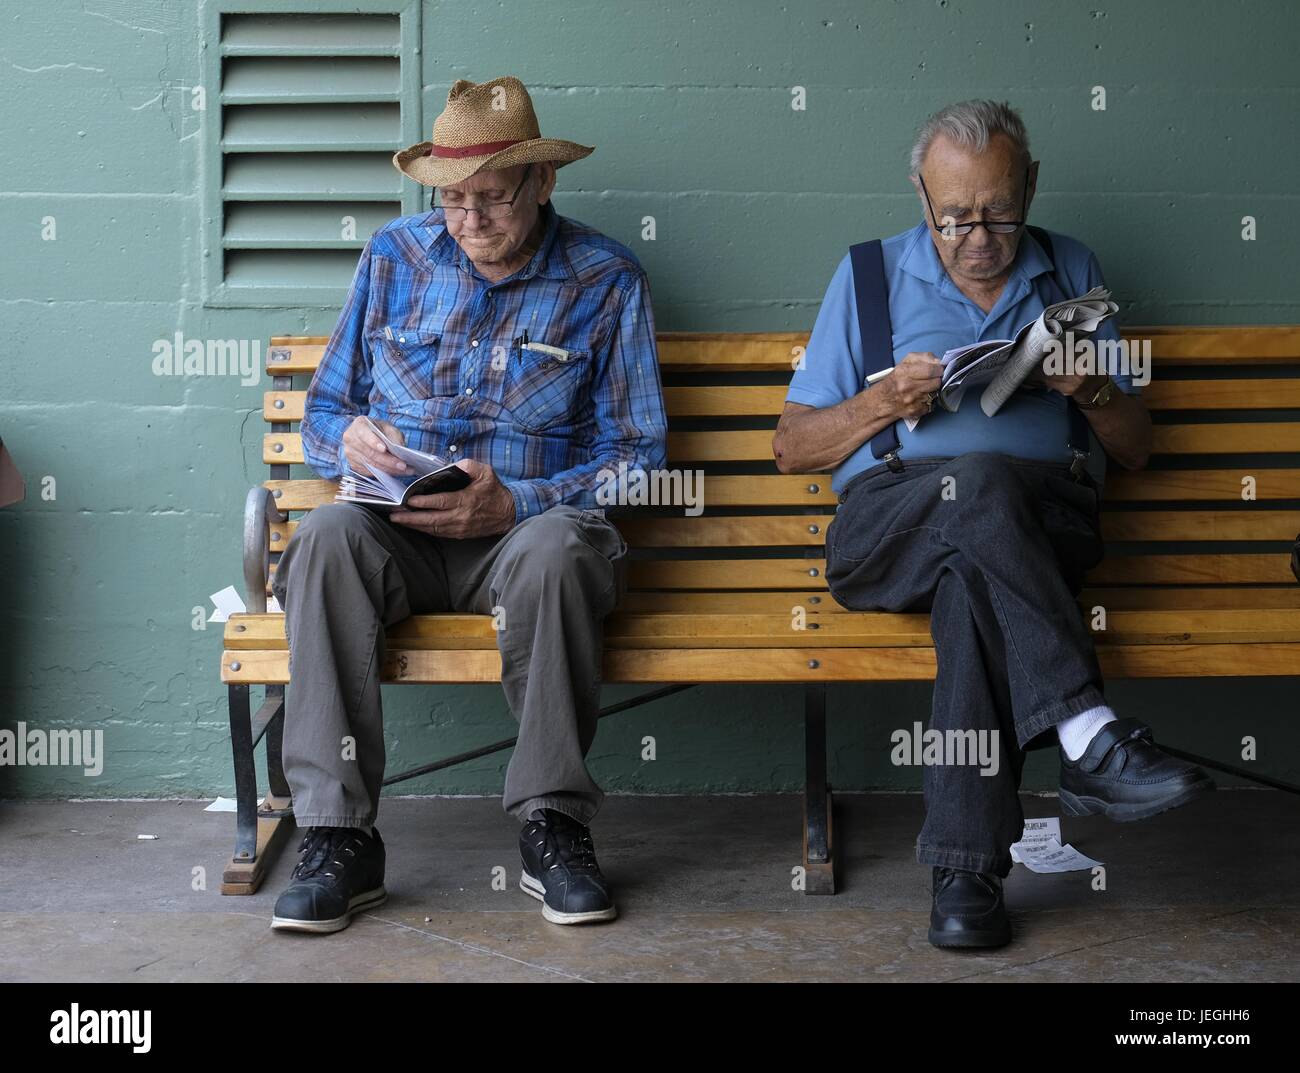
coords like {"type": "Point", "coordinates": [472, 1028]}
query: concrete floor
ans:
{"type": "Point", "coordinates": [703, 885]}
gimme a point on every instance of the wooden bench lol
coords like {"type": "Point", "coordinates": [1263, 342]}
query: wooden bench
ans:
{"type": "Point", "coordinates": [712, 598]}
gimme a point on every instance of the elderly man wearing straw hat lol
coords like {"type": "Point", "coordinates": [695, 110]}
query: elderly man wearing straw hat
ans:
{"type": "Point", "coordinates": [494, 332]}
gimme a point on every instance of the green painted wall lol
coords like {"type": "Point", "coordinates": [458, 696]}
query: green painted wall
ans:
{"type": "Point", "coordinates": [689, 106]}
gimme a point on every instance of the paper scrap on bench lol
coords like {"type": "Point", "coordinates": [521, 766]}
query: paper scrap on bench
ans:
{"type": "Point", "coordinates": [228, 602]}
{"type": "Point", "coordinates": [226, 804]}
{"type": "Point", "coordinates": [1040, 849]}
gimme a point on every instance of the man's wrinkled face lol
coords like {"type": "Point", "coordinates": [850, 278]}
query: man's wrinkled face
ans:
{"type": "Point", "coordinates": [495, 241]}
{"type": "Point", "coordinates": [966, 185]}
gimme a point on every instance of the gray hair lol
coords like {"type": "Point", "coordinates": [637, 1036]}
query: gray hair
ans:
{"type": "Point", "coordinates": [971, 124]}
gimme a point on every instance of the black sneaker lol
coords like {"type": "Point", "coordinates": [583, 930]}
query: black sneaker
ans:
{"type": "Point", "coordinates": [968, 910]}
{"type": "Point", "coordinates": [560, 870]}
{"type": "Point", "coordinates": [340, 873]}
{"type": "Point", "coordinates": [1123, 776]}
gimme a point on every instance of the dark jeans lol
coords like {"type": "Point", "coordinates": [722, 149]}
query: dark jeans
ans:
{"type": "Point", "coordinates": [997, 555]}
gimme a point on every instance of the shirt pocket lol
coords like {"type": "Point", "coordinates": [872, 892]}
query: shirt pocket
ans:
{"type": "Point", "coordinates": [544, 391]}
{"type": "Point", "coordinates": [407, 365]}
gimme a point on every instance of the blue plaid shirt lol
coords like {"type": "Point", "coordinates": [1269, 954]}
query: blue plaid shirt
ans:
{"type": "Point", "coordinates": [431, 346]}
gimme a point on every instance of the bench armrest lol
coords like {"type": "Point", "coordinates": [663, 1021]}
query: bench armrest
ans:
{"type": "Point", "coordinates": [259, 511]}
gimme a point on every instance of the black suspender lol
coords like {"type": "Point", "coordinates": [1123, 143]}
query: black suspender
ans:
{"type": "Point", "coordinates": [877, 333]}
{"type": "Point", "coordinates": [872, 296]}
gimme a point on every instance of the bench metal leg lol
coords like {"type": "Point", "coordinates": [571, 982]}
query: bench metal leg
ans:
{"type": "Point", "coordinates": [818, 843]}
{"type": "Point", "coordinates": [259, 832]}
{"type": "Point", "coordinates": [274, 747]}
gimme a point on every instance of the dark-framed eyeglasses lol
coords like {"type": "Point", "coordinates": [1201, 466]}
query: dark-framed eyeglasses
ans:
{"type": "Point", "coordinates": [493, 210]}
{"type": "Point", "coordinates": [951, 228]}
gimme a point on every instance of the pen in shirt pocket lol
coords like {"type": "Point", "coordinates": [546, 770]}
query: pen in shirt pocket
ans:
{"type": "Point", "coordinates": [524, 343]}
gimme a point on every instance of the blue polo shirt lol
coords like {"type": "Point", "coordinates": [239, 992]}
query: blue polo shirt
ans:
{"type": "Point", "coordinates": [928, 313]}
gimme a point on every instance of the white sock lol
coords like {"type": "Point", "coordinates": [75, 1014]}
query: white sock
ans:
{"type": "Point", "coordinates": [1077, 732]}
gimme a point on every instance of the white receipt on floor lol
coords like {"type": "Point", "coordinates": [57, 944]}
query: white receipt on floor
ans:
{"type": "Point", "coordinates": [1040, 848]}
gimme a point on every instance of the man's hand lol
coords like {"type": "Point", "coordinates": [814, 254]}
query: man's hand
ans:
{"type": "Point", "coordinates": [366, 452]}
{"type": "Point", "coordinates": [906, 391]}
{"type": "Point", "coordinates": [484, 507]}
{"type": "Point", "coordinates": [1083, 385]}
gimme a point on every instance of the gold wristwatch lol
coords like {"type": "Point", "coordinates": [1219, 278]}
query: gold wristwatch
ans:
{"type": "Point", "coordinates": [1100, 398]}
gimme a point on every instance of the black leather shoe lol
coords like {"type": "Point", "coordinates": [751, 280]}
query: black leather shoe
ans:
{"type": "Point", "coordinates": [968, 910]}
{"type": "Point", "coordinates": [560, 870]}
{"type": "Point", "coordinates": [340, 874]}
{"type": "Point", "coordinates": [1123, 776]}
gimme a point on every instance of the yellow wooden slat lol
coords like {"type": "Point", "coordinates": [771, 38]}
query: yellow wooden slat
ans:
{"type": "Point", "coordinates": [772, 351]}
{"type": "Point", "coordinates": [755, 531]}
{"type": "Point", "coordinates": [686, 448]}
{"type": "Point", "coordinates": [283, 405]}
{"type": "Point", "coordinates": [1112, 598]}
{"type": "Point", "coordinates": [768, 401]}
{"type": "Point", "coordinates": [1273, 394]}
{"type": "Point", "coordinates": [1190, 569]}
{"type": "Point", "coordinates": [1200, 484]}
{"type": "Point", "coordinates": [728, 400]}
{"type": "Point", "coordinates": [282, 448]}
{"type": "Point", "coordinates": [804, 574]}
{"type": "Point", "coordinates": [865, 629]}
{"type": "Point", "coordinates": [289, 355]}
{"type": "Point", "coordinates": [727, 574]}
{"type": "Point", "coordinates": [733, 532]}
{"type": "Point", "coordinates": [1224, 345]}
{"type": "Point", "coordinates": [1228, 438]}
{"type": "Point", "coordinates": [1117, 525]}
{"type": "Point", "coordinates": [790, 665]}
{"type": "Point", "coordinates": [778, 490]}
{"type": "Point", "coordinates": [1256, 437]}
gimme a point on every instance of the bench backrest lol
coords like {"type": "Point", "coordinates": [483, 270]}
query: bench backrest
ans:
{"type": "Point", "coordinates": [1226, 407]}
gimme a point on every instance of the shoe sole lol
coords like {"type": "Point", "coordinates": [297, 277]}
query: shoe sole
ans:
{"type": "Point", "coordinates": [1074, 805]}
{"type": "Point", "coordinates": [534, 889]}
{"type": "Point", "coordinates": [358, 904]}
{"type": "Point", "coordinates": [969, 940]}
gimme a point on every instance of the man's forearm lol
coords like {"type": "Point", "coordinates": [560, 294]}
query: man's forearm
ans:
{"type": "Point", "coordinates": [810, 439]}
{"type": "Point", "coordinates": [322, 441]}
{"type": "Point", "coordinates": [1124, 428]}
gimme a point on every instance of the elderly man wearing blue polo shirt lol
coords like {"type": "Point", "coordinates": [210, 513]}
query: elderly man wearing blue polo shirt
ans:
{"type": "Point", "coordinates": [987, 522]}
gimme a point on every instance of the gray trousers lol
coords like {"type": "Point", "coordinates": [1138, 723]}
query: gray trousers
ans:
{"type": "Point", "coordinates": [348, 572]}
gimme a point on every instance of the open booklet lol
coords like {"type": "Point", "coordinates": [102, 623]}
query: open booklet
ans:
{"type": "Point", "coordinates": [388, 492]}
{"type": "Point", "coordinates": [1005, 364]}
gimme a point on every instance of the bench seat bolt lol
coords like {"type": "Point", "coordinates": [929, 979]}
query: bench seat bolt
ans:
{"type": "Point", "coordinates": [236, 665]}
{"type": "Point", "coordinates": [813, 572]}
{"type": "Point", "coordinates": [814, 663]}
{"type": "Point", "coordinates": [814, 529]}
{"type": "Point", "coordinates": [278, 448]}
{"type": "Point", "coordinates": [814, 488]}
{"type": "Point", "coordinates": [279, 404]}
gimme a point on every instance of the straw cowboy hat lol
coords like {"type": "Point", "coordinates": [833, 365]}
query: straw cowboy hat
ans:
{"type": "Point", "coordinates": [485, 127]}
